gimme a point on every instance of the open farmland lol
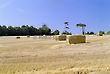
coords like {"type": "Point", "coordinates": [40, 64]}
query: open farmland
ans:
{"type": "Point", "coordinates": [34, 56]}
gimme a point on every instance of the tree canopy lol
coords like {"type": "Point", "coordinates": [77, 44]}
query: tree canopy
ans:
{"type": "Point", "coordinates": [83, 27]}
{"type": "Point", "coordinates": [108, 32]}
{"type": "Point", "coordinates": [102, 32]}
{"type": "Point", "coordinates": [25, 30]}
{"type": "Point", "coordinates": [67, 33]}
{"type": "Point", "coordinates": [56, 32]}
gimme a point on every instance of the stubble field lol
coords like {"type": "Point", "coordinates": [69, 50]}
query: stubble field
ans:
{"type": "Point", "coordinates": [34, 56]}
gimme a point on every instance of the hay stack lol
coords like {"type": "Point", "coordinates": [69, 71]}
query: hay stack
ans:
{"type": "Point", "coordinates": [17, 37]}
{"type": "Point", "coordinates": [60, 37]}
{"type": "Point", "coordinates": [28, 36]}
{"type": "Point", "coordinates": [74, 39]}
{"type": "Point", "coordinates": [99, 34]}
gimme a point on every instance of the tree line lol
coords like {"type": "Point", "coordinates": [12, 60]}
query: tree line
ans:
{"type": "Point", "coordinates": [26, 30]}
{"type": "Point", "coordinates": [44, 30]}
{"type": "Point", "coordinates": [102, 32]}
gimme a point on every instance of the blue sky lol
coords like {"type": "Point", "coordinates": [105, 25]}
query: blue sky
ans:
{"type": "Point", "coordinates": [94, 13]}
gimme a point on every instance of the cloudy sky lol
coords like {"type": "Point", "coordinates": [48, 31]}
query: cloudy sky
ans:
{"type": "Point", "coordinates": [94, 13]}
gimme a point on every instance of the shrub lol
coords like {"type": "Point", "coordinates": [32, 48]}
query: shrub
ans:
{"type": "Point", "coordinates": [60, 37]}
{"type": "Point", "coordinates": [67, 33]}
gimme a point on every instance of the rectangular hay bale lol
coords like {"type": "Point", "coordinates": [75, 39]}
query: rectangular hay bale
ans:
{"type": "Point", "coordinates": [60, 37]}
{"type": "Point", "coordinates": [99, 34]}
{"type": "Point", "coordinates": [18, 37]}
{"type": "Point", "coordinates": [74, 39]}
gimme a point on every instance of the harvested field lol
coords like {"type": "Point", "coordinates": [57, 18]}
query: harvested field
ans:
{"type": "Point", "coordinates": [34, 56]}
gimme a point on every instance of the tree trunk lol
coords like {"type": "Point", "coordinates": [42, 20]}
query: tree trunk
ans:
{"type": "Point", "coordinates": [83, 30]}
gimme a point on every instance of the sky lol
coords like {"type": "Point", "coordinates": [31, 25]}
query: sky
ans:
{"type": "Point", "coordinates": [94, 13]}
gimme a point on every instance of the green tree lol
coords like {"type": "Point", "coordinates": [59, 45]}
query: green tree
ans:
{"type": "Point", "coordinates": [108, 32]}
{"type": "Point", "coordinates": [56, 32]}
{"type": "Point", "coordinates": [83, 27]}
{"type": "Point", "coordinates": [91, 33]}
{"type": "Point", "coordinates": [64, 33]}
{"type": "Point", "coordinates": [11, 31]}
{"type": "Point", "coordinates": [66, 27]}
{"type": "Point", "coordinates": [0, 30]}
{"type": "Point", "coordinates": [24, 30]}
{"type": "Point", "coordinates": [18, 30]}
{"type": "Point", "coordinates": [102, 32]}
{"type": "Point", "coordinates": [66, 23]}
{"type": "Point", "coordinates": [4, 30]}
{"type": "Point", "coordinates": [67, 33]}
{"type": "Point", "coordinates": [44, 30]}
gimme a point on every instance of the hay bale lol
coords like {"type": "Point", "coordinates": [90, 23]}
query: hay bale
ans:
{"type": "Point", "coordinates": [73, 39]}
{"type": "Point", "coordinates": [99, 34]}
{"type": "Point", "coordinates": [17, 37]}
{"type": "Point", "coordinates": [60, 37]}
{"type": "Point", "coordinates": [28, 36]}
